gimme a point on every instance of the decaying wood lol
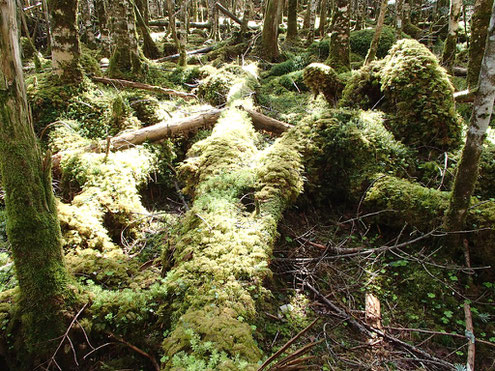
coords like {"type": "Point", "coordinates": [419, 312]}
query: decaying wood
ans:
{"type": "Point", "coordinates": [459, 71]}
{"type": "Point", "coordinates": [118, 83]}
{"type": "Point", "coordinates": [176, 56]}
{"type": "Point", "coordinates": [373, 313]}
{"type": "Point", "coordinates": [170, 128]}
{"type": "Point", "coordinates": [464, 96]}
{"type": "Point", "coordinates": [228, 13]}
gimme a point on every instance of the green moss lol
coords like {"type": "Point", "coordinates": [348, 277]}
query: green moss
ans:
{"type": "Point", "coordinates": [290, 65]}
{"type": "Point", "coordinates": [361, 40]}
{"type": "Point", "coordinates": [323, 79]}
{"type": "Point", "coordinates": [363, 90]}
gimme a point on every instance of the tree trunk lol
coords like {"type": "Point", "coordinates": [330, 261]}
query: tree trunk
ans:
{"type": "Point", "coordinates": [467, 171]}
{"type": "Point", "coordinates": [311, 14]}
{"type": "Point", "coordinates": [213, 20]}
{"type": "Point", "coordinates": [150, 49]}
{"type": "Point", "coordinates": [448, 55]}
{"type": "Point", "coordinates": [479, 26]}
{"type": "Point", "coordinates": [378, 32]}
{"type": "Point", "coordinates": [269, 40]}
{"type": "Point", "coordinates": [183, 16]}
{"type": "Point", "coordinates": [101, 7]}
{"type": "Point", "coordinates": [86, 11]}
{"type": "Point", "coordinates": [339, 55]}
{"type": "Point", "coordinates": [32, 225]}
{"type": "Point", "coordinates": [65, 40]}
{"type": "Point", "coordinates": [292, 20]}
{"type": "Point", "coordinates": [322, 28]}
{"type": "Point", "coordinates": [126, 57]}
{"type": "Point", "coordinates": [398, 19]}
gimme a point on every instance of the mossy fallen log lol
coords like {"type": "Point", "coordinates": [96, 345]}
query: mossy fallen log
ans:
{"type": "Point", "coordinates": [222, 250]}
{"type": "Point", "coordinates": [424, 208]}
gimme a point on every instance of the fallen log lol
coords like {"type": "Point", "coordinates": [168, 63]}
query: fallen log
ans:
{"type": "Point", "coordinates": [170, 128]}
{"type": "Point", "coordinates": [200, 25]}
{"type": "Point", "coordinates": [192, 52]}
{"type": "Point", "coordinates": [118, 83]}
{"type": "Point", "coordinates": [464, 96]}
{"type": "Point", "coordinates": [228, 13]}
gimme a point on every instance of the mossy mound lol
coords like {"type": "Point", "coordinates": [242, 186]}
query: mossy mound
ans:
{"type": "Point", "coordinates": [146, 108]}
{"type": "Point", "coordinates": [415, 92]}
{"type": "Point", "coordinates": [346, 147]}
{"type": "Point", "coordinates": [360, 41]}
{"type": "Point", "coordinates": [420, 93]}
{"type": "Point", "coordinates": [292, 64]}
{"type": "Point", "coordinates": [323, 79]}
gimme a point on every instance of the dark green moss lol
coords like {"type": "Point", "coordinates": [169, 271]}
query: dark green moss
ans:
{"type": "Point", "coordinates": [360, 41]}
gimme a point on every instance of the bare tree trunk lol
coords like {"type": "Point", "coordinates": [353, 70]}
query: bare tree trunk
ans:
{"type": "Point", "coordinates": [311, 21]}
{"type": "Point", "coordinates": [378, 32]}
{"type": "Point", "coordinates": [213, 19]}
{"type": "Point", "coordinates": [269, 40]}
{"type": "Point", "coordinates": [183, 35]}
{"type": "Point", "coordinates": [398, 19]}
{"type": "Point", "coordinates": [479, 26]}
{"type": "Point", "coordinates": [322, 28]}
{"type": "Point", "coordinates": [292, 20]}
{"type": "Point", "coordinates": [339, 57]}
{"type": "Point", "coordinates": [86, 11]}
{"type": "Point", "coordinates": [65, 40]}
{"type": "Point", "coordinates": [448, 55]}
{"type": "Point", "coordinates": [467, 171]}
{"type": "Point", "coordinates": [32, 224]}
{"type": "Point", "coordinates": [101, 7]}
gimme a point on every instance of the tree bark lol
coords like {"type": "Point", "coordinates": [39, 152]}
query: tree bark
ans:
{"type": "Point", "coordinates": [449, 50]}
{"type": "Point", "coordinates": [292, 20]}
{"type": "Point", "coordinates": [339, 57]}
{"type": "Point", "coordinates": [378, 32]}
{"type": "Point", "coordinates": [467, 171]}
{"type": "Point", "coordinates": [269, 40]}
{"type": "Point", "coordinates": [213, 20]}
{"type": "Point", "coordinates": [65, 40]}
{"type": "Point", "coordinates": [150, 50]}
{"type": "Point", "coordinates": [398, 19]}
{"type": "Point", "coordinates": [101, 7]}
{"type": "Point", "coordinates": [479, 26]}
{"type": "Point", "coordinates": [322, 28]}
{"type": "Point", "coordinates": [126, 56]}
{"type": "Point", "coordinates": [32, 225]}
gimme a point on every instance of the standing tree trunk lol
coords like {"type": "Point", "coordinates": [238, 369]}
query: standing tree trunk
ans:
{"type": "Point", "coordinates": [101, 7]}
{"type": "Point", "coordinates": [150, 49]}
{"type": "Point", "coordinates": [126, 57]}
{"type": "Point", "coordinates": [269, 39]}
{"type": "Point", "coordinates": [467, 171]}
{"type": "Point", "coordinates": [479, 26]}
{"type": "Point", "coordinates": [339, 55]}
{"type": "Point", "coordinates": [398, 19]}
{"type": "Point", "coordinates": [32, 225]}
{"type": "Point", "coordinates": [378, 32]}
{"type": "Point", "coordinates": [448, 55]}
{"type": "Point", "coordinates": [183, 16]}
{"type": "Point", "coordinates": [322, 28]}
{"type": "Point", "coordinates": [65, 40]}
{"type": "Point", "coordinates": [88, 36]}
{"type": "Point", "coordinates": [292, 20]}
{"type": "Point", "coordinates": [213, 19]}
{"type": "Point", "coordinates": [309, 20]}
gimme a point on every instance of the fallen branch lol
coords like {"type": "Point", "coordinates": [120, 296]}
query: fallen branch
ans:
{"type": "Point", "coordinates": [464, 96]}
{"type": "Point", "coordinates": [285, 346]}
{"type": "Point", "coordinates": [118, 83]}
{"type": "Point", "coordinates": [176, 56]}
{"type": "Point", "coordinates": [262, 122]}
{"type": "Point", "coordinates": [137, 350]}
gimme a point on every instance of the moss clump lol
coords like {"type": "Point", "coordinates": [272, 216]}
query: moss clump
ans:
{"type": "Point", "coordinates": [146, 109]}
{"type": "Point", "coordinates": [323, 79]}
{"type": "Point", "coordinates": [418, 96]}
{"type": "Point", "coordinates": [290, 65]}
{"type": "Point", "coordinates": [361, 40]}
{"type": "Point", "coordinates": [363, 90]}
{"type": "Point", "coordinates": [345, 149]}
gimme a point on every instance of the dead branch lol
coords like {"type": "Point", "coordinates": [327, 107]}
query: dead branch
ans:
{"type": "Point", "coordinates": [137, 350]}
{"type": "Point", "coordinates": [176, 56]}
{"type": "Point", "coordinates": [118, 83]}
{"type": "Point", "coordinates": [294, 358]}
{"type": "Point", "coordinates": [262, 122]}
{"type": "Point", "coordinates": [284, 347]}
{"type": "Point", "coordinates": [464, 96]}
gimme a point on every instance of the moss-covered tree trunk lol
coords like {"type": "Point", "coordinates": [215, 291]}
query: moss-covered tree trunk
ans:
{"type": "Point", "coordinates": [126, 57]}
{"type": "Point", "coordinates": [65, 40]}
{"type": "Point", "coordinates": [378, 32]}
{"type": "Point", "coordinates": [32, 225]}
{"type": "Point", "coordinates": [339, 54]}
{"type": "Point", "coordinates": [150, 49]}
{"type": "Point", "coordinates": [450, 47]}
{"type": "Point", "coordinates": [269, 40]}
{"type": "Point", "coordinates": [183, 16]}
{"type": "Point", "coordinates": [479, 27]}
{"type": "Point", "coordinates": [309, 20]}
{"type": "Point", "coordinates": [467, 170]}
{"type": "Point", "coordinates": [86, 12]}
{"type": "Point", "coordinates": [398, 19]}
{"type": "Point", "coordinates": [292, 20]}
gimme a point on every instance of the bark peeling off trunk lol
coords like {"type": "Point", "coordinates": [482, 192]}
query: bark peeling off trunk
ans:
{"type": "Point", "coordinates": [222, 252]}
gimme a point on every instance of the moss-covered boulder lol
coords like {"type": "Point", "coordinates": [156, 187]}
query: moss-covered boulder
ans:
{"type": "Point", "coordinates": [323, 79]}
